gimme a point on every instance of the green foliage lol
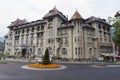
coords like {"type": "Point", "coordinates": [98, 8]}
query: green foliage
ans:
{"type": "Point", "coordinates": [116, 39]}
{"type": "Point", "coordinates": [116, 24]}
{"type": "Point", "coordinates": [1, 55]}
{"type": "Point", "coordinates": [46, 58]}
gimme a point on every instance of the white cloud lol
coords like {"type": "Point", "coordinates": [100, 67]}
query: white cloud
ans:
{"type": "Point", "coordinates": [36, 9]}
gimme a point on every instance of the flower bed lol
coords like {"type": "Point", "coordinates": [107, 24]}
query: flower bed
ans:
{"type": "Point", "coordinates": [44, 66]}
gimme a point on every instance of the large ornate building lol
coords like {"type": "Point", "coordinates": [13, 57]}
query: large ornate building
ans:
{"type": "Point", "coordinates": [74, 38]}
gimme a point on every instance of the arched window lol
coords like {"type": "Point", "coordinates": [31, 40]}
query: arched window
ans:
{"type": "Point", "coordinates": [64, 51]}
{"type": "Point", "coordinates": [50, 26]}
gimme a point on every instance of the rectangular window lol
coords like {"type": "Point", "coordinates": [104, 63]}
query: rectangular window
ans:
{"type": "Point", "coordinates": [40, 51]}
{"type": "Point", "coordinates": [33, 29]}
{"type": "Point", "coordinates": [61, 41]}
{"type": "Point", "coordinates": [66, 40]}
{"type": "Point", "coordinates": [75, 39]}
{"type": "Point", "coordinates": [41, 42]}
{"type": "Point", "coordinates": [78, 39]}
{"type": "Point", "coordinates": [75, 51]}
{"type": "Point", "coordinates": [79, 51]}
{"type": "Point", "coordinates": [78, 30]}
{"type": "Point", "coordinates": [37, 42]}
{"type": "Point", "coordinates": [42, 27]}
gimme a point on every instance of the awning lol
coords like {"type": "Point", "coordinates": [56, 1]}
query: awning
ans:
{"type": "Point", "coordinates": [109, 54]}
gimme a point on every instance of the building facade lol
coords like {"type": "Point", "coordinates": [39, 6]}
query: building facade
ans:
{"type": "Point", "coordinates": [74, 38]}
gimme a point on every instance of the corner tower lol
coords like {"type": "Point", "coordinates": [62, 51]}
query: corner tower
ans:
{"type": "Point", "coordinates": [54, 19]}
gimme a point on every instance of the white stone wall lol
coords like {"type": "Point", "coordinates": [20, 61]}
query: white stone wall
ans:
{"type": "Point", "coordinates": [76, 32]}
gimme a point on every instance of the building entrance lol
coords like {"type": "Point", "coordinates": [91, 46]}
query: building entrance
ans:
{"type": "Point", "coordinates": [24, 53]}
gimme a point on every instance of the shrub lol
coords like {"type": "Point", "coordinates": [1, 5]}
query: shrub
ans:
{"type": "Point", "coordinates": [46, 58]}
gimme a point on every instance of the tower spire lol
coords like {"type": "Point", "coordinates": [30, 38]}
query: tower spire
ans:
{"type": "Point", "coordinates": [76, 15]}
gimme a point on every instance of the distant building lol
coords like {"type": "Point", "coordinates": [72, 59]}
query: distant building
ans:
{"type": "Point", "coordinates": [1, 47]}
{"type": "Point", "coordinates": [73, 39]}
{"type": "Point", "coordinates": [113, 31]}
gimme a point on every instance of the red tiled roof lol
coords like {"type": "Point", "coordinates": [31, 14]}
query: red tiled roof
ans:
{"type": "Point", "coordinates": [55, 12]}
{"type": "Point", "coordinates": [52, 12]}
{"type": "Point", "coordinates": [76, 15]}
{"type": "Point", "coordinates": [18, 22]}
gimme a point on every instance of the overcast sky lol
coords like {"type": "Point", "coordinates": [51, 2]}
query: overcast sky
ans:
{"type": "Point", "coordinates": [32, 10]}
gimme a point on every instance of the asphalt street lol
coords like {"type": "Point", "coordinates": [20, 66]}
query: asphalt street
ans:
{"type": "Point", "coordinates": [13, 71]}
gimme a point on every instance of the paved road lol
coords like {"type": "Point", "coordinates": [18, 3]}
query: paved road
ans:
{"type": "Point", "coordinates": [12, 71]}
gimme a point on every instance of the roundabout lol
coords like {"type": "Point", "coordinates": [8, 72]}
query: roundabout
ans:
{"type": "Point", "coordinates": [43, 69]}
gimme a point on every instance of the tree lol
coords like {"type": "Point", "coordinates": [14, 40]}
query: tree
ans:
{"type": "Point", "coordinates": [46, 57]}
{"type": "Point", "coordinates": [116, 38]}
{"type": "Point", "coordinates": [116, 24]}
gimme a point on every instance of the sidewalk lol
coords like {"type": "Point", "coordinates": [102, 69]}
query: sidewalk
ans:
{"type": "Point", "coordinates": [60, 62]}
